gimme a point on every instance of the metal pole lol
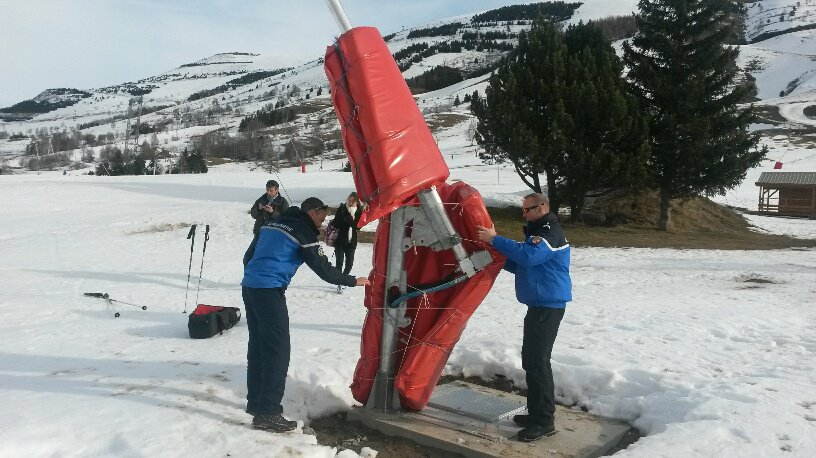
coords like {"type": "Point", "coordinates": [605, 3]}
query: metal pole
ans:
{"type": "Point", "coordinates": [339, 15]}
{"type": "Point", "coordinates": [443, 228]}
{"type": "Point", "coordinates": [383, 397]}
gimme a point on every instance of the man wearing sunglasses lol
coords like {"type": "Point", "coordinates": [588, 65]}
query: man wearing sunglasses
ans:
{"type": "Point", "coordinates": [541, 267]}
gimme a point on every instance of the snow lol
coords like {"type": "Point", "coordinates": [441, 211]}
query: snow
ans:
{"type": "Point", "coordinates": [723, 367]}
{"type": "Point", "coordinates": [599, 9]}
{"type": "Point", "coordinates": [707, 353]}
{"type": "Point", "coordinates": [764, 16]}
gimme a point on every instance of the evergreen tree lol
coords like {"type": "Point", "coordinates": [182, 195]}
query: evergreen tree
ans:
{"type": "Point", "coordinates": [117, 163]}
{"type": "Point", "coordinates": [560, 108]}
{"type": "Point", "coordinates": [138, 165]}
{"type": "Point", "coordinates": [197, 163]}
{"type": "Point", "coordinates": [522, 116]}
{"type": "Point", "coordinates": [684, 76]}
{"type": "Point", "coordinates": [608, 144]}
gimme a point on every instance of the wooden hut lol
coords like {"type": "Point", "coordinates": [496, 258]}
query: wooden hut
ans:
{"type": "Point", "coordinates": [787, 193]}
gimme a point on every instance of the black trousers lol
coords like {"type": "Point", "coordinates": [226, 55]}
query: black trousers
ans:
{"type": "Point", "coordinates": [268, 350]}
{"type": "Point", "coordinates": [540, 328]}
{"type": "Point", "coordinates": [347, 253]}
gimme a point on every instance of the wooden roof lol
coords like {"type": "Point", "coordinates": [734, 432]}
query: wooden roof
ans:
{"type": "Point", "coordinates": [787, 178]}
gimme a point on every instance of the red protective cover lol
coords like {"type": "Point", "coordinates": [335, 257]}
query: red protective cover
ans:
{"type": "Point", "coordinates": [203, 309]}
{"type": "Point", "coordinates": [391, 150]}
{"type": "Point", "coordinates": [437, 319]}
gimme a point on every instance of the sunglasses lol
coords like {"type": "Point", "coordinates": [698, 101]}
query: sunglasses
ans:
{"type": "Point", "coordinates": [525, 210]}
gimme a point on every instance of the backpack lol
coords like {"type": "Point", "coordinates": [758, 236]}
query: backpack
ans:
{"type": "Point", "coordinates": [208, 320]}
{"type": "Point", "coordinates": [331, 234]}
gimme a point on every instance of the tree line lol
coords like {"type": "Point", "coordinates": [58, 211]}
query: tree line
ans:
{"type": "Point", "coordinates": [552, 11]}
{"type": "Point", "coordinates": [249, 78]}
{"type": "Point", "coordinates": [445, 29]}
{"type": "Point", "coordinates": [435, 78]}
{"type": "Point", "coordinates": [267, 118]}
{"type": "Point", "coordinates": [115, 162]}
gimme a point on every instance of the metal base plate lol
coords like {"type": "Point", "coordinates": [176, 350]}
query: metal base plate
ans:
{"type": "Point", "coordinates": [579, 434]}
{"type": "Point", "coordinates": [464, 400]}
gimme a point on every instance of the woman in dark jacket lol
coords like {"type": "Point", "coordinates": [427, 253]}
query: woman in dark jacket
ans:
{"type": "Point", "coordinates": [346, 219]}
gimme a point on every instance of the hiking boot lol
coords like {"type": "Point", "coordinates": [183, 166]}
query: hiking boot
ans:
{"type": "Point", "coordinates": [270, 422]}
{"type": "Point", "coordinates": [535, 432]}
{"type": "Point", "coordinates": [339, 289]}
{"type": "Point", "coordinates": [521, 420]}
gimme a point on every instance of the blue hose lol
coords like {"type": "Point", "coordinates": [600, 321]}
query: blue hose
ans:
{"type": "Point", "coordinates": [395, 303]}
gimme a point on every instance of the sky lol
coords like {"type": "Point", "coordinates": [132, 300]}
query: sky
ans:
{"type": "Point", "coordinates": [88, 44]}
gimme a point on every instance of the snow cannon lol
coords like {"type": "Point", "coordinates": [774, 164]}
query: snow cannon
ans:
{"type": "Point", "coordinates": [430, 270]}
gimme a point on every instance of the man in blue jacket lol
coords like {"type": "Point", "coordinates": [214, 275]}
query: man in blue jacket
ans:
{"type": "Point", "coordinates": [541, 267]}
{"type": "Point", "coordinates": [271, 260]}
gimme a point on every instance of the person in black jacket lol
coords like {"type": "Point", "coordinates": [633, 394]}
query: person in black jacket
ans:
{"type": "Point", "coordinates": [345, 220]}
{"type": "Point", "coordinates": [270, 262]}
{"type": "Point", "coordinates": [268, 207]}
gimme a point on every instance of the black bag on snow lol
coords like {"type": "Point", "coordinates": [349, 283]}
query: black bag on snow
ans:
{"type": "Point", "coordinates": [207, 320]}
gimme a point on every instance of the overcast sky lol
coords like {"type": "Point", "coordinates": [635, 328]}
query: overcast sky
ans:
{"type": "Point", "coordinates": [95, 43]}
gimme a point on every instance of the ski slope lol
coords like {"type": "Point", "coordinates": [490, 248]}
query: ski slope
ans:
{"type": "Point", "coordinates": [707, 353]}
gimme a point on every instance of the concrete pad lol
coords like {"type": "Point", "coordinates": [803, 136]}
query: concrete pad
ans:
{"type": "Point", "coordinates": [579, 434]}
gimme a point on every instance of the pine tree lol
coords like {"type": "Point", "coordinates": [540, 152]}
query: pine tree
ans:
{"type": "Point", "coordinates": [559, 107]}
{"type": "Point", "coordinates": [196, 162]}
{"type": "Point", "coordinates": [138, 165]}
{"type": "Point", "coordinates": [608, 143]}
{"type": "Point", "coordinates": [684, 76]}
{"type": "Point", "coordinates": [522, 116]}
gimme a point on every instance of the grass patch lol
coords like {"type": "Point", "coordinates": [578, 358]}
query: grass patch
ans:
{"type": "Point", "coordinates": [441, 121]}
{"type": "Point", "coordinates": [631, 222]}
{"type": "Point", "coordinates": [212, 160]}
{"type": "Point", "coordinates": [769, 114]}
{"type": "Point", "coordinates": [697, 223]}
{"type": "Point", "coordinates": [312, 106]}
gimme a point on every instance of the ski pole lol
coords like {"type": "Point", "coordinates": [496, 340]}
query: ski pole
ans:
{"type": "Point", "coordinates": [110, 301]}
{"type": "Point", "coordinates": [203, 252]}
{"type": "Point", "coordinates": [190, 235]}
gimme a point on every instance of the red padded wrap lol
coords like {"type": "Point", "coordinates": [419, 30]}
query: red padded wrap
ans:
{"type": "Point", "coordinates": [391, 150]}
{"type": "Point", "coordinates": [437, 319]}
{"type": "Point", "coordinates": [203, 309]}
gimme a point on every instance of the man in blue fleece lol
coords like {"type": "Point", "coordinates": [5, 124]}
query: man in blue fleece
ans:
{"type": "Point", "coordinates": [541, 267]}
{"type": "Point", "coordinates": [270, 262]}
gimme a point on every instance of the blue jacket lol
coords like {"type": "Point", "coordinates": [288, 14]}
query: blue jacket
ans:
{"type": "Point", "coordinates": [540, 263]}
{"type": "Point", "coordinates": [282, 245]}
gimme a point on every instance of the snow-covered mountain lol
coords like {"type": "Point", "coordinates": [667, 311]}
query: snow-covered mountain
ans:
{"type": "Point", "coordinates": [216, 93]}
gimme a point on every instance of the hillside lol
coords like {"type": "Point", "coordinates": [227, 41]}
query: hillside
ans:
{"type": "Point", "coordinates": [216, 93]}
{"type": "Point", "coordinates": [202, 103]}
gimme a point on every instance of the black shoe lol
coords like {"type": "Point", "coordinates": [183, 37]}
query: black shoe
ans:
{"type": "Point", "coordinates": [535, 432]}
{"type": "Point", "coordinates": [271, 422]}
{"type": "Point", "coordinates": [521, 420]}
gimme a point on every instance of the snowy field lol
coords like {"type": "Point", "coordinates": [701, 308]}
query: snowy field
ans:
{"type": "Point", "coordinates": [708, 353]}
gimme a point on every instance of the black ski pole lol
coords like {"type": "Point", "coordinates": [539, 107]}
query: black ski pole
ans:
{"type": "Point", "coordinates": [203, 252]}
{"type": "Point", "coordinates": [190, 235]}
